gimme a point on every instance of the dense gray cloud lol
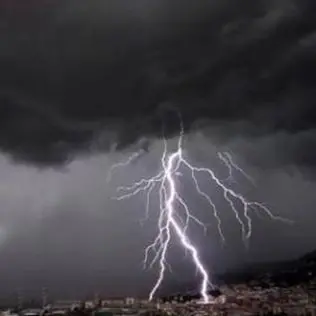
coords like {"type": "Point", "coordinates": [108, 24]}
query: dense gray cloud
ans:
{"type": "Point", "coordinates": [82, 83]}
{"type": "Point", "coordinates": [71, 70]}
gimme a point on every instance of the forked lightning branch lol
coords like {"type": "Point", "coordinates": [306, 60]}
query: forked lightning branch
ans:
{"type": "Point", "coordinates": [175, 215]}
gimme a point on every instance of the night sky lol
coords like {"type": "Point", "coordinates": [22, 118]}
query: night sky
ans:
{"type": "Point", "coordinates": [83, 84]}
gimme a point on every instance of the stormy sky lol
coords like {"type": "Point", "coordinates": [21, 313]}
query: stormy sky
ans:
{"type": "Point", "coordinates": [85, 83]}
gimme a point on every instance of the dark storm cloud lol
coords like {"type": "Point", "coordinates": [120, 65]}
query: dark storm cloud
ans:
{"type": "Point", "coordinates": [73, 69]}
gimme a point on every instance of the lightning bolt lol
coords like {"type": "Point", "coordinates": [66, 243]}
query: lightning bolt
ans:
{"type": "Point", "coordinates": [227, 159]}
{"type": "Point", "coordinates": [130, 159]}
{"type": "Point", "coordinates": [175, 215]}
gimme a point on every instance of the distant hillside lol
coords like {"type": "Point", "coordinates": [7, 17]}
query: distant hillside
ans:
{"type": "Point", "coordinates": [310, 257]}
{"type": "Point", "coordinates": [282, 273]}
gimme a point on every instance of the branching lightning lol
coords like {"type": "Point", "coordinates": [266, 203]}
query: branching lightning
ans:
{"type": "Point", "coordinates": [227, 159]}
{"type": "Point", "coordinates": [123, 164]}
{"type": "Point", "coordinates": [175, 215]}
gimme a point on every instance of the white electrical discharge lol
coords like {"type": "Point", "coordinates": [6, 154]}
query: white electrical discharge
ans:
{"type": "Point", "coordinates": [171, 220]}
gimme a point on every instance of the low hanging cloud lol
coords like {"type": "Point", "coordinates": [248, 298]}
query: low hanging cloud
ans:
{"type": "Point", "coordinates": [76, 71]}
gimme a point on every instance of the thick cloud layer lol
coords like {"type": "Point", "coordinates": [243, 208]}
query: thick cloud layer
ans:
{"type": "Point", "coordinates": [74, 70]}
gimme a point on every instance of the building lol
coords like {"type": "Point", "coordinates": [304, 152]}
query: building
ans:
{"type": "Point", "coordinates": [129, 301]}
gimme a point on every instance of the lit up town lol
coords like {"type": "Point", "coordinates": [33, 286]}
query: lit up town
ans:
{"type": "Point", "coordinates": [238, 299]}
